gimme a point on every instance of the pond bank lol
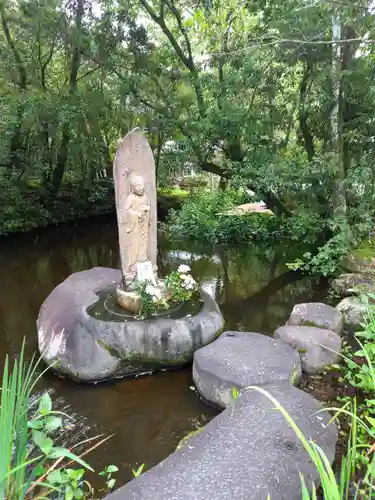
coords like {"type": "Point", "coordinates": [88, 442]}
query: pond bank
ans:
{"type": "Point", "coordinates": [32, 210]}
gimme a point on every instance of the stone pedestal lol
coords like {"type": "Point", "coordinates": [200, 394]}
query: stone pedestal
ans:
{"type": "Point", "coordinates": [88, 349]}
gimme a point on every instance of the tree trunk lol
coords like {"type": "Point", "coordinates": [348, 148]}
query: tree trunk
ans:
{"type": "Point", "coordinates": [16, 151]}
{"type": "Point", "coordinates": [59, 170]}
{"type": "Point", "coordinates": [302, 115]}
{"type": "Point", "coordinates": [338, 191]}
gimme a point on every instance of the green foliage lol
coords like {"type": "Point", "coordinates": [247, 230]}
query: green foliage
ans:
{"type": "Point", "coordinates": [326, 259]}
{"type": "Point", "coordinates": [202, 219]}
{"type": "Point", "coordinates": [180, 285]}
{"type": "Point", "coordinates": [360, 373]}
{"type": "Point", "coordinates": [23, 208]}
{"type": "Point", "coordinates": [232, 90]}
{"type": "Point", "coordinates": [149, 306]}
{"type": "Point", "coordinates": [205, 218]}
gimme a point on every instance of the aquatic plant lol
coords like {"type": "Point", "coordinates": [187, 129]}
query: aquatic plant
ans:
{"type": "Point", "coordinates": [31, 464]}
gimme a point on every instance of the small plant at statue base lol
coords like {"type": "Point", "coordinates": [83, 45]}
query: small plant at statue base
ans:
{"type": "Point", "coordinates": [149, 305]}
{"type": "Point", "coordinates": [180, 286]}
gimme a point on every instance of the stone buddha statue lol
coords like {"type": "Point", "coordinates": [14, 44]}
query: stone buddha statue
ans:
{"type": "Point", "coordinates": [136, 223]}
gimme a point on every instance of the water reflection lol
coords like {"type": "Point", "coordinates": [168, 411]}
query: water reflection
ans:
{"type": "Point", "coordinates": [148, 415]}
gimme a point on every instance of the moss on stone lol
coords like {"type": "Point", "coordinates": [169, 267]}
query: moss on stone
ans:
{"type": "Point", "coordinates": [309, 323]}
{"type": "Point", "coordinates": [366, 250]}
{"type": "Point", "coordinates": [186, 438]}
{"type": "Point", "coordinates": [296, 376]}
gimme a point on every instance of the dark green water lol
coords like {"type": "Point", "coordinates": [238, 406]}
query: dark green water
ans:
{"type": "Point", "coordinates": [148, 415]}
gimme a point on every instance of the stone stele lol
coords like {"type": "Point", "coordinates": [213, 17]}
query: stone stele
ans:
{"type": "Point", "coordinates": [135, 190]}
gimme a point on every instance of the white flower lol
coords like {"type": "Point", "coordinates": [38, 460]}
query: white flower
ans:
{"type": "Point", "coordinates": [183, 268]}
{"type": "Point", "coordinates": [184, 277]}
{"type": "Point", "coordinates": [154, 291]}
{"type": "Point", "coordinates": [187, 285]}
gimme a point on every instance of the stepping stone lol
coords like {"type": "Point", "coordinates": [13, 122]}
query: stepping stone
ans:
{"type": "Point", "coordinates": [310, 342]}
{"type": "Point", "coordinates": [246, 453]}
{"type": "Point", "coordinates": [317, 314]}
{"type": "Point", "coordinates": [239, 359]}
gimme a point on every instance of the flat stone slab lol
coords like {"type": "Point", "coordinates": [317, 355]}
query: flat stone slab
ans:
{"type": "Point", "coordinates": [310, 343]}
{"type": "Point", "coordinates": [239, 359]}
{"type": "Point", "coordinates": [318, 315]}
{"type": "Point", "coordinates": [245, 453]}
{"type": "Point", "coordinates": [89, 349]}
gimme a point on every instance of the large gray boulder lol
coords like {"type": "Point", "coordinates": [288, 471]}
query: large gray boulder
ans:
{"type": "Point", "coordinates": [89, 349]}
{"type": "Point", "coordinates": [246, 453]}
{"type": "Point", "coordinates": [239, 359]}
{"type": "Point", "coordinates": [318, 315]}
{"type": "Point", "coordinates": [352, 284]}
{"type": "Point", "coordinates": [317, 348]}
{"type": "Point", "coordinates": [354, 312]}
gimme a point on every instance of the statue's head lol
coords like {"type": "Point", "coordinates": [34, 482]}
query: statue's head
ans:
{"type": "Point", "coordinates": [137, 185]}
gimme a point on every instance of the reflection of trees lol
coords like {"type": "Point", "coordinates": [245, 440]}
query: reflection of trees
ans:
{"type": "Point", "coordinates": [31, 267]}
{"type": "Point", "coordinates": [271, 306]}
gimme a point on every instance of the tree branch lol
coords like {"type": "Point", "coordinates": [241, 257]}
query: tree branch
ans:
{"type": "Point", "coordinates": [302, 114]}
{"type": "Point", "coordinates": [22, 82]}
{"type": "Point", "coordinates": [186, 60]}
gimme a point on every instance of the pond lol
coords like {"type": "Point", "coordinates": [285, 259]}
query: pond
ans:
{"type": "Point", "coordinates": [150, 414]}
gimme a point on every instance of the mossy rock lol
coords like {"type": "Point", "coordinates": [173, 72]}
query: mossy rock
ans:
{"type": "Point", "coordinates": [362, 259]}
{"type": "Point", "coordinates": [353, 284]}
{"type": "Point", "coordinates": [186, 438]}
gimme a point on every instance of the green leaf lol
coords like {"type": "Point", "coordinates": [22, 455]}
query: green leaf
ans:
{"type": "Point", "coordinates": [78, 493]}
{"type": "Point", "coordinates": [64, 452]}
{"type": "Point", "coordinates": [112, 468]}
{"type": "Point", "coordinates": [361, 352]}
{"type": "Point", "coordinates": [69, 494]}
{"type": "Point", "coordinates": [235, 393]}
{"type": "Point", "coordinates": [111, 483]}
{"type": "Point", "coordinates": [45, 404]}
{"type": "Point", "coordinates": [35, 424]}
{"type": "Point", "coordinates": [55, 477]}
{"type": "Point", "coordinates": [138, 472]}
{"type": "Point", "coordinates": [371, 420]}
{"type": "Point", "coordinates": [77, 474]}
{"type": "Point", "coordinates": [42, 441]}
{"type": "Point", "coordinates": [52, 423]}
